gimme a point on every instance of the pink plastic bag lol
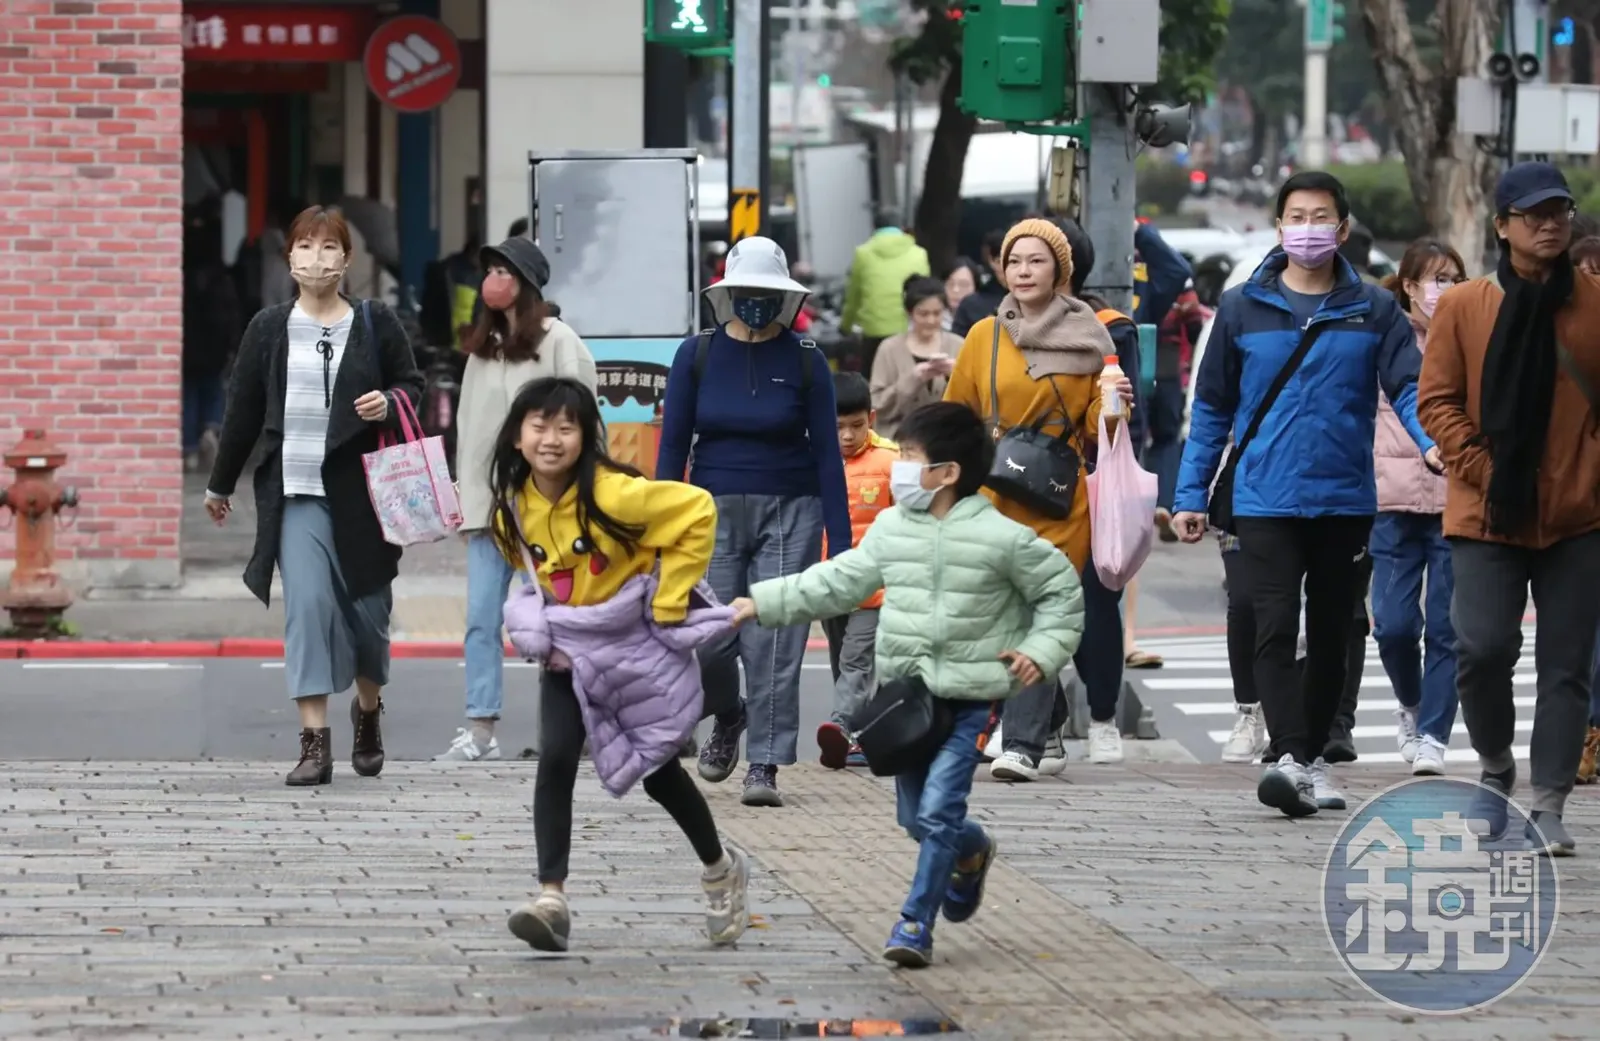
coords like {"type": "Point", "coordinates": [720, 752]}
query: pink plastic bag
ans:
{"type": "Point", "coordinates": [1122, 510]}
{"type": "Point", "coordinates": [410, 485]}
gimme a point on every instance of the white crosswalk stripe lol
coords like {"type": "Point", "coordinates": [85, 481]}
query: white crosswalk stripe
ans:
{"type": "Point", "coordinates": [1196, 683]}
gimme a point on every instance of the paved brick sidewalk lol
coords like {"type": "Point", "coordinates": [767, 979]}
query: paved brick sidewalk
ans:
{"type": "Point", "coordinates": [206, 900]}
{"type": "Point", "coordinates": [1153, 902]}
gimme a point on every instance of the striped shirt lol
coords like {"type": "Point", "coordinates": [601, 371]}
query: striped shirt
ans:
{"type": "Point", "coordinates": [315, 351]}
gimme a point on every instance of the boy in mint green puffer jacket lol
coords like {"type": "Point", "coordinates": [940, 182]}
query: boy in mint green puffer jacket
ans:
{"type": "Point", "coordinates": [975, 605]}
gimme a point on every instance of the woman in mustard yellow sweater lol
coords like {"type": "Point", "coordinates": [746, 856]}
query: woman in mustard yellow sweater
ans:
{"type": "Point", "coordinates": [1043, 356]}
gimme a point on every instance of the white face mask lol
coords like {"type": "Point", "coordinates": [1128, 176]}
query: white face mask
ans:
{"type": "Point", "coordinates": [905, 484]}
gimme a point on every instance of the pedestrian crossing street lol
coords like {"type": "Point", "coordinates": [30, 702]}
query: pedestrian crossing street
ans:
{"type": "Point", "coordinates": [1193, 697]}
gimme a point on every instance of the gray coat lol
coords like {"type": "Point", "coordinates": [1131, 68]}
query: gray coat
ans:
{"type": "Point", "coordinates": [255, 412]}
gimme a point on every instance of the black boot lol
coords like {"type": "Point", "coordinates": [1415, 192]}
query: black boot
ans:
{"type": "Point", "coordinates": [366, 754]}
{"type": "Point", "coordinates": [316, 760]}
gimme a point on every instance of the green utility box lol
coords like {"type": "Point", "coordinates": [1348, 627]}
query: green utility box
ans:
{"type": "Point", "coordinates": [1016, 59]}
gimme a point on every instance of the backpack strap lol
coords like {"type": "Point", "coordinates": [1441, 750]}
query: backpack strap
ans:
{"type": "Point", "coordinates": [702, 351]}
{"type": "Point", "coordinates": [1107, 315]}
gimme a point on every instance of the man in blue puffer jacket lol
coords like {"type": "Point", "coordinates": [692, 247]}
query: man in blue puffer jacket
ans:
{"type": "Point", "coordinates": [1304, 493]}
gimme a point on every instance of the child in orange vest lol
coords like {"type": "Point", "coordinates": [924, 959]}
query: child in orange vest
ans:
{"type": "Point", "coordinates": [850, 638]}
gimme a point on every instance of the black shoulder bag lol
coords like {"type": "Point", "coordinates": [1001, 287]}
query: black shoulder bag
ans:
{"type": "Point", "coordinates": [902, 727]}
{"type": "Point", "coordinates": [1220, 513]}
{"type": "Point", "coordinates": [1036, 469]}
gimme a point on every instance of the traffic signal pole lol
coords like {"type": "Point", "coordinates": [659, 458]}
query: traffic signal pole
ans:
{"type": "Point", "coordinates": [1111, 195]}
{"type": "Point", "coordinates": [748, 127]}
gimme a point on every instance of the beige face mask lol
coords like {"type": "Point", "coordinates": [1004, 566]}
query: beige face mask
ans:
{"type": "Point", "coordinates": [314, 271]}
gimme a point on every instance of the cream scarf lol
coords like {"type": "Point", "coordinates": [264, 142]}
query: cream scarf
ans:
{"type": "Point", "coordinates": [1068, 339]}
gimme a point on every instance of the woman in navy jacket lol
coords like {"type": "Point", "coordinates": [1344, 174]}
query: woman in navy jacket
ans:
{"type": "Point", "coordinates": [755, 404]}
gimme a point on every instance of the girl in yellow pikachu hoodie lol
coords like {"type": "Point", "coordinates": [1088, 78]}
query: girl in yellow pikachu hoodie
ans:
{"type": "Point", "coordinates": [588, 525]}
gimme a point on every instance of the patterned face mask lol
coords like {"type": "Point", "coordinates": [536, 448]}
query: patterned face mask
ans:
{"type": "Point", "coordinates": [757, 312]}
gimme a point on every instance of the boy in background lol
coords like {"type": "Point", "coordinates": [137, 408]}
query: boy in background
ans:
{"type": "Point", "coordinates": [976, 607]}
{"type": "Point", "coordinates": [867, 461]}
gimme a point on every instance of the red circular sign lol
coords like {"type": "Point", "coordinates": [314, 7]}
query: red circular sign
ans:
{"type": "Point", "coordinates": [413, 63]}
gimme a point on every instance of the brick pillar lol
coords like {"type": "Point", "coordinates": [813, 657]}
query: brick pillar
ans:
{"type": "Point", "coordinates": [91, 229]}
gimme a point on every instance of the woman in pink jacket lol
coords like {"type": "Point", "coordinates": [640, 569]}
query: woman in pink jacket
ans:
{"type": "Point", "coordinates": [1416, 642]}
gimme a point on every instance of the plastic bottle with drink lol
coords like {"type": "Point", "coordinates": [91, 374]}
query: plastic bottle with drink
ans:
{"type": "Point", "coordinates": [1111, 403]}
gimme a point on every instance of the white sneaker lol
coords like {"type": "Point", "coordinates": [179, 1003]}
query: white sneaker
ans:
{"type": "Point", "coordinates": [728, 899]}
{"type": "Point", "coordinates": [1014, 766]}
{"type": "Point", "coordinates": [1328, 797]}
{"type": "Point", "coordinates": [1405, 732]}
{"type": "Point", "coordinates": [1429, 761]}
{"type": "Point", "coordinates": [1054, 759]}
{"type": "Point", "coordinates": [991, 750]}
{"type": "Point", "coordinates": [1287, 786]}
{"type": "Point", "coordinates": [1105, 743]}
{"type": "Point", "coordinates": [465, 749]}
{"type": "Point", "coordinates": [1249, 738]}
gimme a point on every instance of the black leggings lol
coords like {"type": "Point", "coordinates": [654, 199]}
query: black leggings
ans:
{"type": "Point", "coordinates": [561, 734]}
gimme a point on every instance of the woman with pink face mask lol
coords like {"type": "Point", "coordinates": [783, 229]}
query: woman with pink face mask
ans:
{"type": "Point", "coordinates": [1415, 639]}
{"type": "Point", "coordinates": [317, 381]}
{"type": "Point", "coordinates": [515, 340]}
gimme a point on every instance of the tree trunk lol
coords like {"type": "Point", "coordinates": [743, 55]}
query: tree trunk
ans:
{"type": "Point", "coordinates": [938, 218]}
{"type": "Point", "coordinates": [1450, 177]}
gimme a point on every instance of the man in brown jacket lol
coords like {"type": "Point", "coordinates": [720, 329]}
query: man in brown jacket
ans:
{"type": "Point", "coordinates": [1507, 391]}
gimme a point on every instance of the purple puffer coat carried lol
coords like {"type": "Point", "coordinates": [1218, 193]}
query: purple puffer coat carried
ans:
{"type": "Point", "coordinates": [637, 683]}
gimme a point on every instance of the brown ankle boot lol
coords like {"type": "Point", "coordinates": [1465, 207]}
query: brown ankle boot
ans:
{"type": "Point", "coordinates": [1588, 768]}
{"type": "Point", "coordinates": [316, 760]}
{"type": "Point", "coordinates": [366, 755]}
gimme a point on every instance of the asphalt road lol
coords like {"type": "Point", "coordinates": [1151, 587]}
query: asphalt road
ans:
{"type": "Point", "coordinates": [222, 708]}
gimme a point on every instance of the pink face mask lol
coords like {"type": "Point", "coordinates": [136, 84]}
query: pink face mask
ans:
{"type": "Point", "coordinates": [1311, 245]}
{"type": "Point", "coordinates": [1431, 292]}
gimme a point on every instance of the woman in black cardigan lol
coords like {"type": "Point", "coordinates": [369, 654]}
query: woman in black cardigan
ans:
{"type": "Point", "coordinates": [316, 381]}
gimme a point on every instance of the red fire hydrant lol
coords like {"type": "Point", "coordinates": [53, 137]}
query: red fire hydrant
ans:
{"type": "Point", "coordinates": [36, 596]}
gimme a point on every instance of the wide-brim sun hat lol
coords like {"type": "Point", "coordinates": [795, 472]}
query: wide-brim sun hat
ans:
{"type": "Point", "coordinates": [523, 257]}
{"type": "Point", "coordinates": [756, 263]}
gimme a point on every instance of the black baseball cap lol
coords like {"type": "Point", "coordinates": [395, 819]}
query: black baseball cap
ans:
{"type": "Point", "coordinates": [1528, 184]}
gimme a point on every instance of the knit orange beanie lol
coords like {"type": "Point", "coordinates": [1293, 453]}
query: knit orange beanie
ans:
{"type": "Point", "coordinates": [1050, 235]}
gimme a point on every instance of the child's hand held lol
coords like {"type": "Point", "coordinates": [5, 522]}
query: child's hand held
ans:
{"type": "Point", "coordinates": [744, 610]}
{"type": "Point", "coordinates": [1022, 667]}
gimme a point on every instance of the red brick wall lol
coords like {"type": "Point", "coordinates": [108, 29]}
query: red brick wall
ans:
{"type": "Point", "coordinates": [91, 113]}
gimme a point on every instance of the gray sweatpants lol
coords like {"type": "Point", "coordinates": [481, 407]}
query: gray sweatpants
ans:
{"type": "Point", "coordinates": [850, 653]}
{"type": "Point", "coordinates": [1491, 594]}
{"type": "Point", "coordinates": [760, 537]}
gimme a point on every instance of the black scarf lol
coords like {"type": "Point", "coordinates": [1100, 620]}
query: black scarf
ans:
{"type": "Point", "coordinates": [1519, 381]}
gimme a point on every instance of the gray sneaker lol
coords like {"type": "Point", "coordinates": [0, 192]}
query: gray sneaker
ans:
{"type": "Point", "coordinates": [543, 923]}
{"type": "Point", "coordinates": [465, 749]}
{"type": "Point", "coordinates": [728, 900]}
{"type": "Point", "coordinates": [1287, 786]}
{"type": "Point", "coordinates": [761, 786]}
{"type": "Point", "coordinates": [1548, 837]}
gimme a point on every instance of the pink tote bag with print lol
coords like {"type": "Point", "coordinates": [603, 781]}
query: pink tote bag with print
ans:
{"type": "Point", "coordinates": [1122, 510]}
{"type": "Point", "coordinates": [410, 484]}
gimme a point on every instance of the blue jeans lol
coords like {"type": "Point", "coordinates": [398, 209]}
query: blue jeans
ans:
{"type": "Point", "coordinates": [931, 805]}
{"type": "Point", "coordinates": [760, 537]}
{"type": "Point", "coordinates": [488, 579]}
{"type": "Point", "coordinates": [1166, 446]}
{"type": "Point", "coordinates": [203, 400]}
{"type": "Point", "coordinates": [1417, 642]}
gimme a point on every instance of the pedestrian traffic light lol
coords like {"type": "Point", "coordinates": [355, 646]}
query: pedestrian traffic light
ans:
{"type": "Point", "coordinates": [1324, 24]}
{"type": "Point", "coordinates": [1016, 60]}
{"type": "Point", "coordinates": [690, 24]}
